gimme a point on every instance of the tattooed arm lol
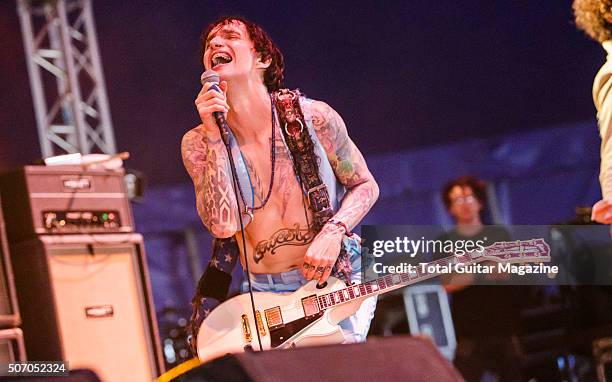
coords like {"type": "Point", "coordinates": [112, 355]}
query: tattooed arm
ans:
{"type": "Point", "coordinates": [206, 161]}
{"type": "Point", "coordinates": [351, 170]}
{"type": "Point", "coordinates": [348, 164]}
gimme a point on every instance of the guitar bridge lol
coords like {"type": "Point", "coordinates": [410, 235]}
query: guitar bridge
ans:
{"type": "Point", "coordinates": [274, 318]}
{"type": "Point", "coordinates": [246, 329]}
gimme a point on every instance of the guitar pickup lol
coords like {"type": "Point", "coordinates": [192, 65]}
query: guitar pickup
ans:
{"type": "Point", "coordinates": [310, 305]}
{"type": "Point", "coordinates": [274, 318]}
{"type": "Point", "coordinates": [260, 325]}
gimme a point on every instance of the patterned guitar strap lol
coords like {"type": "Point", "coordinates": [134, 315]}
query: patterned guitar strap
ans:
{"type": "Point", "coordinates": [306, 166]}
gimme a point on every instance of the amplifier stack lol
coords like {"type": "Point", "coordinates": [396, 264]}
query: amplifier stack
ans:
{"type": "Point", "coordinates": [80, 271]}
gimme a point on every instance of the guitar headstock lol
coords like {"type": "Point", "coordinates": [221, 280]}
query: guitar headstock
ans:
{"type": "Point", "coordinates": [519, 251]}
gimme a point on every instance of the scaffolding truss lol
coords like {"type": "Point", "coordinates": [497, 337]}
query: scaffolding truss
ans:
{"type": "Point", "coordinates": [66, 79]}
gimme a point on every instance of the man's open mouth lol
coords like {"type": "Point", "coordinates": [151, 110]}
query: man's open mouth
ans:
{"type": "Point", "coordinates": [220, 58]}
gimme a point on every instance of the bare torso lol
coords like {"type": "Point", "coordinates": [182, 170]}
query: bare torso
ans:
{"type": "Point", "coordinates": [278, 236]}
{"type": "Point", "coordinates": [278, 239]}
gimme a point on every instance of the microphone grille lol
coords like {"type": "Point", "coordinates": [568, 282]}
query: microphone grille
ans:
{"type": "Point", "coordinates": [209, 76]}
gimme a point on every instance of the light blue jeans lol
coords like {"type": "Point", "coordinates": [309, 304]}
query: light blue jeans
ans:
{"type": "Point", "coordinates": [355, 328]}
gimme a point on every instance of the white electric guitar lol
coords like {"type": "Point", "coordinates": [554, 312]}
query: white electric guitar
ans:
{"type": "Point", "coordinates": [310, 315]}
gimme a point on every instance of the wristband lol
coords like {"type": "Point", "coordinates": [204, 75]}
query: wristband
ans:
{"type": "Point", "coordinates": [338, 223]}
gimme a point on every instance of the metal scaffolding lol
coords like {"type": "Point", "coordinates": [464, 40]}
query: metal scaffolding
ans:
{"type": "Point", "coordinates": [66, 74]}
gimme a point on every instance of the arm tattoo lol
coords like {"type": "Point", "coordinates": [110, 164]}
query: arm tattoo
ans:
{"type": "Point", "coordinates": [206, 162]}
{"type": "Point", "coordinates": [294, 236]}
{"type": "Point", "coordinates": [348, 164]}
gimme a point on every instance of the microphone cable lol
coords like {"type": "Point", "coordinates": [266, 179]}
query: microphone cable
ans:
{"type": "Point", "coordinates": [236, 183]}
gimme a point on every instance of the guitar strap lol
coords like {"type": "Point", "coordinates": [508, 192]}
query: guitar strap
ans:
{"type": "Point", "coordinates": [306, 167]}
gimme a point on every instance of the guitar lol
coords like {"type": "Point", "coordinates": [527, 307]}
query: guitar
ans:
{"type": "Point", "coordinates": [310, 315]}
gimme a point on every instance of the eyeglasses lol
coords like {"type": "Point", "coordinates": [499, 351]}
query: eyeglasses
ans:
{"type": "Point", "coordinates": [464, 199]}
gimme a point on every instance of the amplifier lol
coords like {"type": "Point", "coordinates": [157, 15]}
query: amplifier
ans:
{"type": "Point", "coordinates": [64, 200]}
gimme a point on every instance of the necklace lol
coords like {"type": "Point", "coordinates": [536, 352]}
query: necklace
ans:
{"type": "Point", "coordinates": [249, 210]}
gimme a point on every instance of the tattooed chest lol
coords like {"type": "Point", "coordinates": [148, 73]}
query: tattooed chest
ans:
{"type": "Point", "coordinates": [281, 191]}
{"type": "Point", "coordinates": [280, 228]}
{"type": "Point", "coordinates": [289, 238]}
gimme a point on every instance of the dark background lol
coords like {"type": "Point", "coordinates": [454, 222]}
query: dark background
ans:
{"type": "Point", "coordinates": [404, 75]}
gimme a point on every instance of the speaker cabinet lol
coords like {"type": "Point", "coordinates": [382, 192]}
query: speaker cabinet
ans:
{"type": "Point", "coordinates": [9, 310]}
{"type": "Point", "coordinates": [400, 358]}
{"type": "Point", "coordinates": [11, 346]}
{"type": "Point", "coordinates": [86, 300]}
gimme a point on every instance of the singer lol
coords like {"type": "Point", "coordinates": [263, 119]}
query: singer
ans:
{"type": "Point", "coordinates": [289, 236]}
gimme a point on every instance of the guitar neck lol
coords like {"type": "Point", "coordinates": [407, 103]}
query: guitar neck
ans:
{"type": "Point", "coordinates": [534, 250]}
{"type": "Point", "coordinates": [390, 282]}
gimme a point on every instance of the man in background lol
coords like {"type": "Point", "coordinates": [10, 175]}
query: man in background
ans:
{"type": "Point", "coordinates": [485, 317]}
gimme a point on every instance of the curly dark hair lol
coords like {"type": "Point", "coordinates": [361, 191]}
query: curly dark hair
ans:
{"type": "Point", "coordinates": [479, 188]}
{"type": "Point", "coordinates": [263, 44]}
{"type": "Point", "coordinates": [594, 17]}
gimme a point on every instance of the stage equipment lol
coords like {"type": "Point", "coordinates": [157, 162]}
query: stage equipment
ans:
{"type": "Point", "coordinates": [429, 314]}
{"type": "Point", "coordinates": [399, 358]}
{"type": "Point", "coordinates": [64, 200]}
{"type": "Point", "coordinates": [66, 78]}
{"type": "Point", "coordinates": [9, 309]}
{"type": "Point", "coordinates": [89, 303]}
{"type": "Point", "coordinates": [11, 346]}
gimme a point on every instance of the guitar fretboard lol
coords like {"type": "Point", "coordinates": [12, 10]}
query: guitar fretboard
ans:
{"type": "Point", "coordinates": [388, 282]}
{"type": "Point", "coordinates": [517, 251]}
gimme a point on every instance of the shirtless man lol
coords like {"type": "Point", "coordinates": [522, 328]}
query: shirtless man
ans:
{"type": "Point", "coordinates": [279, 238]}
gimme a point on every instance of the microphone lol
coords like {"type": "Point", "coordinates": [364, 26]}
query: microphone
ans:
{"type": "Point", "coordinates": [210, 76]}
